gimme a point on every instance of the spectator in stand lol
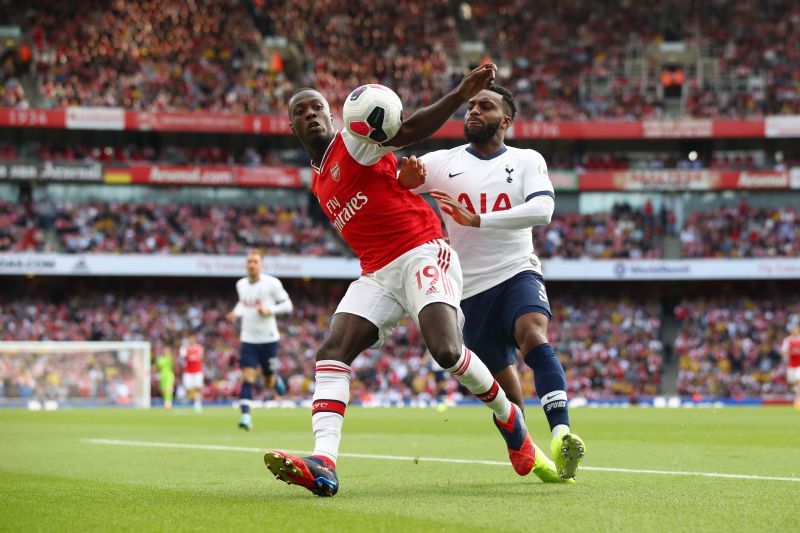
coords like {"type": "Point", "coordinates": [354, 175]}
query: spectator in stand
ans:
{"type": "Point", "coordinates": [19, 231]}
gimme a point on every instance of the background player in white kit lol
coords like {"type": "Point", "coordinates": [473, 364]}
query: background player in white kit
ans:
{"type": "Point", "coordinates": [261, 298]}
{"type": "Point", "coordinates": [191, 353]}
{"type": "Point", "coordinates": [494, 194]}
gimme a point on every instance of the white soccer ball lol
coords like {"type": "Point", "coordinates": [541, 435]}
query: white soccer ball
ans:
{"type": "Point", "coordinates": [373, 113]}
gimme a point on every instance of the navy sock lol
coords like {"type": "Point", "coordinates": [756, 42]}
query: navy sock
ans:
{"type": "Point", "coordinates": [245, 394]}
{"type": "Point", "coordinates": [551, 383]}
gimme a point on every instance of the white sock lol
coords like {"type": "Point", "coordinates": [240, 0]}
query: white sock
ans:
{"type": "Point", "coordinates": [473, 374]}
{"type": "Point", "coordinates": [331, 395]}
{"type": "Point", "coordinates": [558, 428]}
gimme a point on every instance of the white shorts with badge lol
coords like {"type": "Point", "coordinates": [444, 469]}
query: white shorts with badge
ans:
{"type": "Point", "coordinates": [793, 374]}
{"type": "Point", "coordinates": [429, 273]}
{"type": "Point", "coordinates": [193, 380]}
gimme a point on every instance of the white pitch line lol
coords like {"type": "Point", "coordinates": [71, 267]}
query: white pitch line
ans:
{"type": "Point", "coordinates": [220, 448]}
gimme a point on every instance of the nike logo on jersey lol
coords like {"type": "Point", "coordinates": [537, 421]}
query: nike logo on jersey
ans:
{"type": "Point", "coordinates": [451, 175]}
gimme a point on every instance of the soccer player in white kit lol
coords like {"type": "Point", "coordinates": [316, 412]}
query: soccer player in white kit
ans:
{"type": "Point", "coordinates": [261, 298]}
{"type": "Point", "coordinates": [493, 195]}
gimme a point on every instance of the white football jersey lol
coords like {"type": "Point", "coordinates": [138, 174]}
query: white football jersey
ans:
{"type": "Point", "coordinates": [269, 291]}
{"type": "Point", "coordinates": [484, 185]}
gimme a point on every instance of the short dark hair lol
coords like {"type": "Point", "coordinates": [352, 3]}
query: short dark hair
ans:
{"type": "Point", "coordinates": [508, 98]}
{"type": "Point", "coordinates": [298, 91]}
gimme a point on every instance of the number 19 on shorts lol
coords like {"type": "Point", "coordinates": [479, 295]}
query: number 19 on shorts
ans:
{"type": "Point", "coordinates": [429, 276]}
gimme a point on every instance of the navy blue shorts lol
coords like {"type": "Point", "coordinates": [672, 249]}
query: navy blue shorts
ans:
{"type": "Point", "coordinates": [253, 355]}
{"type": "Point", "coordinates": [490, 317]}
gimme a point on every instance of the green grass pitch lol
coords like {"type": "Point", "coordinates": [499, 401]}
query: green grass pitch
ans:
{"type": "Point", "coordinates": [52, 478]}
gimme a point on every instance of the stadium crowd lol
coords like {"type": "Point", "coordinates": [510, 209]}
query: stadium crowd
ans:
{"type": "Point", "coordinates": [607, 346]}
{"type": "Point", "coordinates": [730, 346]}
{"type": "Point", "coordinates": [399, 44]}
{"type": "Point", "coordinates": [108, 227]}
{"type": "Point", "coordinates": [551, 51]}
{"type": "Point", "coordinates": [624, 232]}
{"type": "Point", "coordinates": [742, 231]}
{"type": "Point", "coordinates": [174, 228]}
{"type": "Point", "coordinates": [171, 228]}
{"type": "Point", "coordinates": [150, 55]}
{"type": "Point", "coordinates": [206, 54]}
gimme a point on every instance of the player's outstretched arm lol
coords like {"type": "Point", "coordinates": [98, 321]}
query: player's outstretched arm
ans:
{"type": "Point", "coordinates": [535, 212]}
{"type": "Point", "coordinates": [427, 120]}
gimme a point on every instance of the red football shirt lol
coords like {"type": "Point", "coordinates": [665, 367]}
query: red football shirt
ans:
{"type": "Point", "coordinates": [194, 358]}
{"type": "Point", "coordinates": [357, 187]}
{"type": "Point", "coordinates": [791, 345]}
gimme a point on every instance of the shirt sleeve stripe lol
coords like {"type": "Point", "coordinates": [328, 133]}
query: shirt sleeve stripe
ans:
{"type": "Point", "coordinates": [541, 193]}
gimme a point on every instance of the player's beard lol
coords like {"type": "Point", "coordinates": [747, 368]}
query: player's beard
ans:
{"type": "Point", "coordinates": [481, 135]}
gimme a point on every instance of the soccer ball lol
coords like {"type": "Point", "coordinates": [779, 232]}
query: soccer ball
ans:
{"type": "Point", "coordinates": [373, 113]}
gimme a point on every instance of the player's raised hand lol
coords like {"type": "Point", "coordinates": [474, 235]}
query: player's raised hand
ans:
{"type": "Point", "coordinates": [477, 80]}
{"type": "Point", "coordinates": [459, 213]}
{"type": "Point", "coordinates": [412, 172]}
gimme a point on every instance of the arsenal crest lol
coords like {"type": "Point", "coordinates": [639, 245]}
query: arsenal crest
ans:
{"type": "Point", "coordinates": [335, 171]}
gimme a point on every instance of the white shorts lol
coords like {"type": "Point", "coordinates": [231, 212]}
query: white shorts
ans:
{"type": "Point", "coordinates": [793, 374]}
{"type": "Point", "coordinates": [193, 380]}
{"type": "Point", "coordinates": [427, 274]}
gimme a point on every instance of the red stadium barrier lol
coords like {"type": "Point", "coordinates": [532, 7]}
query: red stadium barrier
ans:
{"type": "Point", "coordinates": [231, 176]}
{"type": "Point", "coordinates": [681, 180]}
{"type": "Point", "coordinates": [117, 119]}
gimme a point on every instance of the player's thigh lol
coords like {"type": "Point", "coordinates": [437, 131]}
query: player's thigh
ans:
{"type": "Point", "coordinates": [526, 311]}
{"type": "Point", "coordinates": [439, 325]}
{"type": "Point", "coordinates": [268, 358]}
{"type": "Point", "coordinates": [428, 283]}
{"type": "Point", "coordinates": [249, 357]}
{"type": "Point", "coordinates": [484, 332]}
{"type": "Point", "coordinates": [363, 319]}
{"type": "Point", "coordinates": [193, 380]}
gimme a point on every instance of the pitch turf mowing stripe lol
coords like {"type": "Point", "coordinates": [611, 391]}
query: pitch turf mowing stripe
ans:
{"type": "Point", "coordinates": [215, 447]}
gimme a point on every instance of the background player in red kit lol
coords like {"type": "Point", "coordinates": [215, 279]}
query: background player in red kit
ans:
{"type": "Point", "coordinates": [192, 354]}
{"type": "Point", "coordinates": [791, 351]}
{"type": "Point", "coordinates": [407, 270]}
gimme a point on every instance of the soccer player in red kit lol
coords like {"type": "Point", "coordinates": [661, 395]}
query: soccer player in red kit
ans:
{"type": "Point", "coordinates": [192, 353]}
{"type": "Point", "coordinates": [791, 351]}
{"type": "Point", "coordinates": [407, 270]}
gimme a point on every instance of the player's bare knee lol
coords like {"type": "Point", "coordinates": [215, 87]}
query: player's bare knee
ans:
{"type": "Point", "coordinates": [446, 354]}
{"type": "Point", "coordinates": [249, 375]}
{"type": "Point", "coordinates": [531, 334]}
{"type": "Point", "coordinates": [330, 350]}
